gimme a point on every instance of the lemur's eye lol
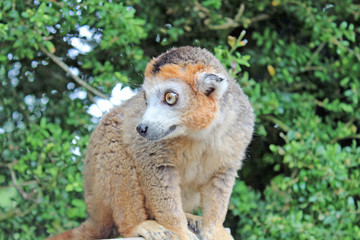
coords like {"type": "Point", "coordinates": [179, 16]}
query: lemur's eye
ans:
{"type": "Point", "coordinates": [171, 98]}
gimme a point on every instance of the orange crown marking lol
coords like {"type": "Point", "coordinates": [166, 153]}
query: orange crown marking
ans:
{"type": "Point", "coordinates": [187, 72]}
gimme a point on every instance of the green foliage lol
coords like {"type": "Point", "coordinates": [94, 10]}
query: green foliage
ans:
{"type": "Point", "coordinates": [45, 171]}
{"type": "Point", "coordinates": [299, 62]}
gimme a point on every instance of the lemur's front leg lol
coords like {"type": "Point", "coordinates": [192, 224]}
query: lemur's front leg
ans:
{"type": "Point", "coordinates": [215, 197]}
{"type": "Point", "coordinates": [162, 192]}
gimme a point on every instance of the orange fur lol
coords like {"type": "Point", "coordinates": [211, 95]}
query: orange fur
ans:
{"type": "Point", "coordinates": [170, 71]}
{"type": "Point", "coordinates": [149, 67]}
{"type": "Point", "coordinates": [187, 73]}
{"type": "Point", "coordinates": [201, 112]}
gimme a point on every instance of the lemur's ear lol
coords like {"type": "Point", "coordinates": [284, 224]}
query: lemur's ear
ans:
{"type": "Point", "coordinates": [212, 84]}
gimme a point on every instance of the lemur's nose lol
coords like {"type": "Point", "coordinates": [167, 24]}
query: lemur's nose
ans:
{"type": "Point", "coordinates": [142, 129]}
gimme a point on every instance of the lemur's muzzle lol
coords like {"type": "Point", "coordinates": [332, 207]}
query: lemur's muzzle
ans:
{"type": "Point", "coordinates": [154, 131]}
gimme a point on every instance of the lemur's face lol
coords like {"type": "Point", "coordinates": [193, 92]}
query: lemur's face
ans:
{"type": "Point", "coordinates": [180, 99]}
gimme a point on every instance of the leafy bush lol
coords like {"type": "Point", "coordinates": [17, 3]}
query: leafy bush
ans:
{"type": "Point", "coordinates": [299, 62]}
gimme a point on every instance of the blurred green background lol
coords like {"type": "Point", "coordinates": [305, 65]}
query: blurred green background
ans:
{"type": "Point", "coordinates": [299, 62]}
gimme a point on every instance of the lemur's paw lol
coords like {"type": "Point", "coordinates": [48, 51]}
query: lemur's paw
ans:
{"type": "Point", "coordinates": [216, 233]}
{"type": "Point", "coordinates": [185, 234]}
{"type": "Point", "coordinates": [151, 230]}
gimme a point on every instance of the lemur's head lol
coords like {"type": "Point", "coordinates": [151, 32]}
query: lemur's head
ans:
{"type": "Point", "coordinates": [183, 88]}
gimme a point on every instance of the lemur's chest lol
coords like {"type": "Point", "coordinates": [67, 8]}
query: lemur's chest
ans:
{"type": "Point", "coordinates": [198, 162]}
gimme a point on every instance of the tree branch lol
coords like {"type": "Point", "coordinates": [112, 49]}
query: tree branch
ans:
{"type": "Point", "coordinates": [66, 68]}
{"type": "Point", "coordinates": [311, 68]}
{"type": "Point", "coordinates": [19, 188]}
{"type": "Point", "coordinates": [239, 13]}
{"type": "Point", "coordinates": [355, 136]}
{"type": "Point", "coordinates": [229, 22]}
{"type": "Point", "coordinates": [233, 23]}
{"type": "Point", "coordinates": [281, 124]}
{"type": "Point", "coordinates": [274, 120]}
{"type": "Point", "coordinates": [336, 42]}
{"type": "Point", "coordinates": [17, 212]}
{"type": "Point", "coordinates": [317, 51]}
